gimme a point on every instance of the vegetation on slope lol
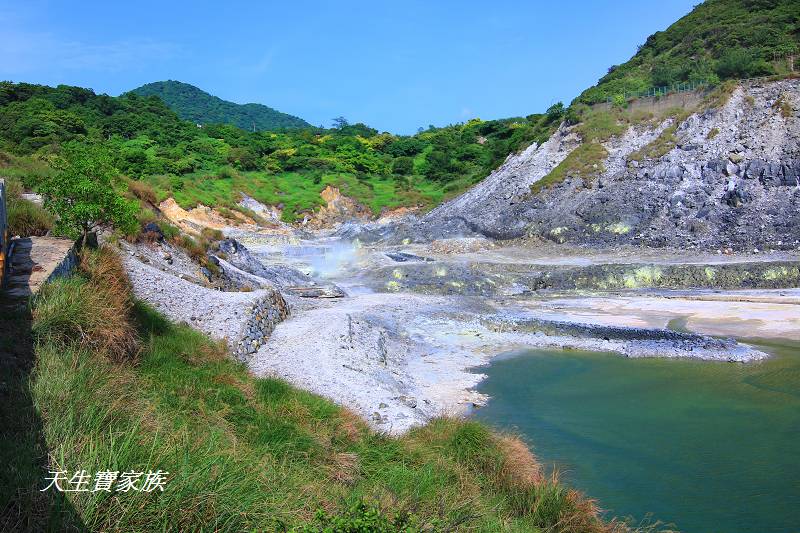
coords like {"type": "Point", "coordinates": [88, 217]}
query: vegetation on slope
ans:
{"type": "Point", "coordinates": [25, 218]}
{"type": "Point", "coordinates": [145, 141]}
{"type": "Point", "coordinates": [718, 40]}
{"type": "Point", "coordinates": [117, 387]}
{"type": "Point", "coordinates": [199, 107]}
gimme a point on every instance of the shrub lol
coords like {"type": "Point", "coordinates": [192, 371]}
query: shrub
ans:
{"type": "Point", "coordinates": [555, 112]}
{"type": "Point", "coordinates": [403, 166]}
{"type": "Point", "coordinates": [741, 63]}
{"type": "Point", "coordinates": [83, 195]}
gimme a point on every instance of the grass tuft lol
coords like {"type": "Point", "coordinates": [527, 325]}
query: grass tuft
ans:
{"type": "Point", "coordinates": [585, 162]}
{"type": "Point", "coordinates": [783, 106]}
{"type": "Point", "coordinates": [27, 219]}
{"type": "Point", "coordinates": [143, 191]}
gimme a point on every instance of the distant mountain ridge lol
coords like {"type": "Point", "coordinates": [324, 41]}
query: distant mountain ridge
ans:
{"type": "Point", "coordinates": [196, 105]}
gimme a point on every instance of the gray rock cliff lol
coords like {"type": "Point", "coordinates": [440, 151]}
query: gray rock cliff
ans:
{"type": "Point", "coordinates": [731, 180]}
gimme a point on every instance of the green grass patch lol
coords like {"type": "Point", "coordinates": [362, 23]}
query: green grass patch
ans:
{"type": "Point", "coordinates": [585, 162]}
{"type": "Point", "coordinates": [25, 218]}
{"type": "Point", "coordinates": [298, 193]}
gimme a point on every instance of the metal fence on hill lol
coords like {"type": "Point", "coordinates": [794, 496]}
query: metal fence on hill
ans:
{"type": "Point", "coordinates": [661, 91]}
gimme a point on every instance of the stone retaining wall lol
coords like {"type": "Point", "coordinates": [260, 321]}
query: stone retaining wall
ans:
{"type": "Point", "coordinates": [264, 315]}
{"type": "Point", "coordinates": [67, 264]}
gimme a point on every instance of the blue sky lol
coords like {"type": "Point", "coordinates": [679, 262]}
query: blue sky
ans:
{"type": "Point", "coordinates": [393, 65]}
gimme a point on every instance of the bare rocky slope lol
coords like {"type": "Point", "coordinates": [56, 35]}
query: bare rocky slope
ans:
{"type": "Point", "coordinates": [731, 180]}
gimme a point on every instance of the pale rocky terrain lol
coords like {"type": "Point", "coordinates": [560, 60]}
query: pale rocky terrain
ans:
{"type": "Point", "coordinates": [731, 181]}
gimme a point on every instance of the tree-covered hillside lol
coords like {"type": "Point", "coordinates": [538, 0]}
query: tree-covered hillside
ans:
{"type": "Point", "coordinates": [147, 142]}
{"type": "Point", "coordinates": [718, 40]}
{"type": "Point", "coordinates": [196, 105]}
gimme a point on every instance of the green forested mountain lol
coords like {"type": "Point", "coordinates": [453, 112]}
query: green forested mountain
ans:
{"type": "Point", "coordinates": [147, 142]}
{"type": "Point", "coordinates": [717, 40]}
{"type": "Point", "coordinates": [196, 105]}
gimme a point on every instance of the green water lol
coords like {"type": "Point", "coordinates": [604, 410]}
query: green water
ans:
{"type": "Point", "coordinates": [708, 447]}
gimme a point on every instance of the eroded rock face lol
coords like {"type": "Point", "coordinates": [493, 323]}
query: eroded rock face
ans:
{"type": "Point", "coordinates": [732, 180]}
{"type": "Point", "coordinates": [338, 208]}
{"type": "Point", "coordinates": [200, 217]}
{"type": "Point", "coordinates": [270, 214]}
{"type": "Point", "coordinates": [234, 253]}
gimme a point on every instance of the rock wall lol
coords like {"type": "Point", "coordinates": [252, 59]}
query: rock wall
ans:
{"type": "Point", "coordinates": [238, 318]}
{"type": "Point", "coordinates": [731, 180]}
{"type": "Point", "coordinates": [200, 217]}
{"type": "Point", "coordinates": [338, 208]}
{"type": "Point", "coordinates": [263, 315]}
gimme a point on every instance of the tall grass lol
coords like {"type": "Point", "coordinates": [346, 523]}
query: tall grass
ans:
{"type": "Point", "coordinates": [91, 314]}
{"type": "Point", "coordinates": [246, 453]}
{"type": "Point", "coordinates": [27, 219]}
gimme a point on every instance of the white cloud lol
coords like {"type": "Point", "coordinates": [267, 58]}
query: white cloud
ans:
{"type": "Point", "coordinates": [264, 63]}
{"type": "Point", "coordinates": [23, 52]}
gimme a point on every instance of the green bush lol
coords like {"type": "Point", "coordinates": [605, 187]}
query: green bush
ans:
{"type": "Point", "coordinates": [555, 112]}
{"type": "Point", "coordinates": [403, 166]}
{"type": "Point", "coordinates": [741, 63]}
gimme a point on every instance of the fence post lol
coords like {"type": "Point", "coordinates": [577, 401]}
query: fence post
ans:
{"type": "Point", "coordinates": [3, 232]}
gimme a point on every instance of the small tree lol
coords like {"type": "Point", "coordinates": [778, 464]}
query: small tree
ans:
{"type": "Point", "coordinates": [340, 123]}
{"type": "Point", "coordinates": [555, 112]}
{"type": "Point", "coordinates": [82, 195]}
